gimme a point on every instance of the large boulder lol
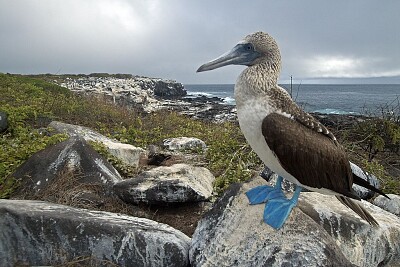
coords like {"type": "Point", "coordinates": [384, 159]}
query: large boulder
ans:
{"type": "Point", "coordinates": [361, 243]}
{"type": "Point", "coordinates": [3, 122]}
{"type": "Point", "coordinates": [127, 153]}
{"type": "Point", "coordinates": [391, 205]}
{"type": "Point", "coordinates": [72, 156]}
{"type": "Point", "coordinates": [320, 231]}
{"type": "Point", "coordinates": [167, 184]}
{"type": "Point", "coordinates": [40, 233]}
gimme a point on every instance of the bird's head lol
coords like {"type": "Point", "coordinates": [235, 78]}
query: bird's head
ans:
{"type": "Point", "coordinates": [255, 48]}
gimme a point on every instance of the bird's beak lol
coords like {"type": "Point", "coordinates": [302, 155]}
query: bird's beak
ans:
{"type": "Point", "coordinates": [232, 57]}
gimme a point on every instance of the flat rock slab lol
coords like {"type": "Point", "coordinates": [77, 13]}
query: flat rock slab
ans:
{"type": "Point", "coordinates": [41, 233]}
{"type": "Point", "coordinates": [127, 153]}
{"type": "Point", "coordinates": [163, 185]}
{"type": "Point", "coordinates": [73, 155]}
{"type": "Point", "coordinates": [324, 233]}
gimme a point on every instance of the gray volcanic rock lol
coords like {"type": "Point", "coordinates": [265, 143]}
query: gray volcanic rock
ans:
{"type": "Point", "coordinates": [320, 231]}
{"type": "Point", "coordinates": [40, 233]}
{"type": "Point", "coordinates": [362, 192]}
{"type": "Point", "coordinates": [162, 185]}
{"type": "Point", "coordinates": [391, 205]}
{"type": "Point", "coordinates": [361, 243]}
{"type": "Point", "coordinates": [168, 89]}
{"type": "Point", "coordinates": [3, 121]}
{"type": "Point", "coordinates": [127, 153]}
{"type": "Point", "coordinates": [73, 155]}
{"type": "Point", "coordinates": [184, 143]}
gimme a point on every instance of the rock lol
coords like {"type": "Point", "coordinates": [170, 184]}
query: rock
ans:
{"type": "Point", "coordinates": [162, 185]}
{"type": "Point", "coordinates": [157, 159]}
{"type": "Point", "coordinates": [72, 156]}
{"type": "Point", "coordinates": [271, 177]}
{"type": "Point", "coordinates": [361, 243]}
{"type": "Point", "coordinates": [267, 174]}
{"type": "Point", "coordinates": [169, 89]}
{"type": "Point", "coordinates": [320, 231]}
{"type": "Point", "coordinates": [184, 143]}
{"type": "Point", "coordinates": [40, 233]}
{"type": "Point", "coordinates": [3, 121]}
{"type": "Point", "coordinates": [363, 192]}
{"type": "Point", "coordinates": [128, 154]}
{"type": "Point", "coordinates": [130, 89]}
{"type": "Point", "coordinates": [391, 205]}
{"type": "Point", "coordinates": [339, 121]}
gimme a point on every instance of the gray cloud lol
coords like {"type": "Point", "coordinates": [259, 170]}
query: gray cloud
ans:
{"type": "Point", "coordinates": [170, 39]}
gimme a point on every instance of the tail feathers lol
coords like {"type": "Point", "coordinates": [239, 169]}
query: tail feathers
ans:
{"type": "Point", "coordinates": [359, 209]}
{"type": "Point", "coordinates": [361, 182]}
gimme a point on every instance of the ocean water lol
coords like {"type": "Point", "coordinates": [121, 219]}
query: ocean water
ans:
{"type": "Point", "coordinates": [323, 98]}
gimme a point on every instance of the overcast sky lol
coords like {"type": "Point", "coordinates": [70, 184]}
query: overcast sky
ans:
{"type": "Point", "coordinates": [172, 38]}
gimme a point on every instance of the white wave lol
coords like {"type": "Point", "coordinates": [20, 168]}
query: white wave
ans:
{"type": "Point", "coordinates": [200, 94]}
{"type": "Point", "coordinates": [334, 111]}
{"type": "Point", "coordinates": [229, 100]}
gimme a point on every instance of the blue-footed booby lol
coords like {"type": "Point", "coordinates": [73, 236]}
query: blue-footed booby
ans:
{"type": "Point", "coordinates": [288, 140]}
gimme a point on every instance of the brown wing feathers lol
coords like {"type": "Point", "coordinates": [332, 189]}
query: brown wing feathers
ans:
{"type": "Point", "coordinates": [314, 160]}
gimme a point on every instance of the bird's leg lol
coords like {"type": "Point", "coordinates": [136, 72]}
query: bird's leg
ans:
{"type": "Point", "coordinates": [263, 193]}
{"type": "Point", "coordinates": [277, 209]}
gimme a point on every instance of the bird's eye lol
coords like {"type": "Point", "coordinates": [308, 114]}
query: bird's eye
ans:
{"type": "Point", "coordinates": [249, 47]}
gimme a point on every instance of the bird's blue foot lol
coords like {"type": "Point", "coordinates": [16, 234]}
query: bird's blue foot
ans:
{"type": "Point", "coordinates": [277, 209]}
{"type": "Point", "coordinates": [263, 193]}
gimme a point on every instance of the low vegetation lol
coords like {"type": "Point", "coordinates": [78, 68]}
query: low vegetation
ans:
{"type": "Point", "coordinates": [31, 103]}
{"type": "Point", "coordinates": [374, 143]}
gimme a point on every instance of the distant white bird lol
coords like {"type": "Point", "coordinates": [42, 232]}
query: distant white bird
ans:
{"type": "Point", "coordinates": [288, 140]}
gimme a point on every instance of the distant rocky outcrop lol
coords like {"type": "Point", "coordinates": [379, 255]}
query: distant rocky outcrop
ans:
{"type": "Point", "coordinates": [319, 232]}
{"type": "Point", "coordinates": [168, 89]}
{"type": "Point", "coordinates": [140, 92]}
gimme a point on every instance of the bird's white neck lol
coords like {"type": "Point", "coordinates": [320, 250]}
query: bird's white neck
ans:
{"type": "Point", "coordinates": [256, 81]}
